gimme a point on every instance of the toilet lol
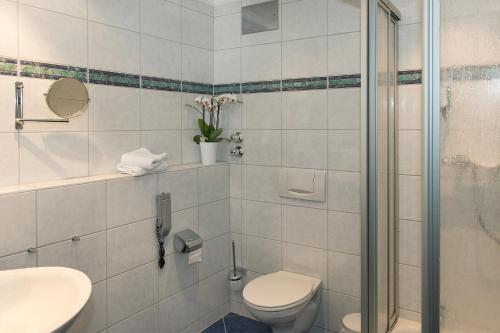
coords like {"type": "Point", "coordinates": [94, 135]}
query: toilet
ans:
{"type": "Point", "coordinates": [351, 323]}
{"type": "Point", "coordinates": [286, 301]}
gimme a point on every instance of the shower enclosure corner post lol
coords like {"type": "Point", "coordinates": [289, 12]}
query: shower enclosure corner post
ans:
{"type": "Point", "coordinates": [431, 168]}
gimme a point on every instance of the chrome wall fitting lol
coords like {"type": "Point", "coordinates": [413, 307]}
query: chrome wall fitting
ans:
{"type": "Point", "coordinates": [187, 241]}
{"type": "Point", "coordinates": [31, 250]}
{"type": "Point", "coordinates": [236, 137]}
{"type": "Point", "coordinates": [237, 151]}
{"type": "Point", "coordinates": [75, 239]}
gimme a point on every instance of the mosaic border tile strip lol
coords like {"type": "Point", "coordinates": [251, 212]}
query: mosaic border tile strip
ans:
{"type": "Point", "coordinates": [344, 81]}
{"type": "Point", "coordinates": [262, 86]}
{"type": "Point", "coordinates": [410, 77]}
{"type": "Point", "coordinates": [43, 70]}
{"type": "Point", "coordinates": [463, 73]}
{"type": "Point", "coordinates": [230, 88]}
{"type": "Point", "coordinates": [8, 66]}
{"type": "Point", "coordinates": [305, 84]}
{"type": "Point", "coordinates": [114, 78]}
{"type": "Point", "coordinates": [197, 88]}
{"type": "Point", "coordinates": [149, 82]}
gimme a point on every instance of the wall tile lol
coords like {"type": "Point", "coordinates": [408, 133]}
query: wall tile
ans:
{"type": "Point", "coordinates": [42, 32]}
{"type": "Point", "coordinates": [179, 311]}
{"type": "Point", "coordinates": [93, 316]}
{"type": "Point", "coordinates": [261, 255]}
{"type": "Point", "coordinates": [114, 108]}
{"type": "Point", "coordinates": [17, 261]}
{"type": "Point", "coordinates": [131, 292]}
{"type": "Point", "coordinates": [177, 275]}
{"type": "Point", "coordinates": [411, 9]}
{"type": "Point", "coordinates": [215, 254]}
{"type": "Point", "coordinates": [18, 236]}
{"type": "Point", "coordinates": [160, 110]}
{"type": "Point", "coordinates": [344, 232]}
{"type": "Point", "coordinates": [164, 142]}
{"type": "Point", "coordinates": [410, 106]}
{"type": "Point", "coordinates": [130, 200]}
{"type": "Point", "coordinates": [305, 260]}
{"type": "Point", "coordinates": [197, 64]}
{"type": "Point", "coordinates": [214, 219]}
{"type": "Point", "coordinates": [59, 218]}
{"type": "Point", "coordinates": [214, 183]}
{"type": "Point", "coordinates": [87, 255]}
{"type": "Point", "coordinates": [118, 13]}
{"type": "Point", "coordinates": [261, 62]}
{"type": "Point", "coordinates": [161, 18]}
{"type": "Point", "coordinates": [344, 108]}
{"type": "Point", "coordinates": [262, 147]}
{"type": "Point", "coordinates": [70, 7]}
{"type": "Point", "coordinates": [261, 111]}
{"type": "Point", "coordinates": [305, 109]}
{"type": "Point", "coordinates": [410, 46]}
{"type": "Point", "coordinates": [235, 181]}
{"type": "Point", "coordinates": [410, 287]}
{"type": "Point", "coordinates": [145, 321]}
{"type": "Point", "coordinates": [213, 293]}
{"type": "Point", "coordinates": [8, 33]}
{"type": "Point", "coordinates": [344, 273]}
{"type": "Point", "coordinates": [410, 152]}
{"type": "Point", "coordinates": [260, 219]}
{"type": "Point", "coordinates": [344, 191]}
{"type": "Point", "coordinates": [190, 150]}
{"type": "Point", "coordinates": [260, 183]}
{"type": "Point", "coordinates": [344, 16]}
{"type": "Point", "coordinates": [130, 246]}
{"type": "Point", "coordinates": [305, 149]}
{"type": "Point", "coordinates": [107, 45]}
{"type": "Point", "coordinates": [106, 148]}
{"type": "Point", "coordinates": [227, 66]}
{"type": "Point", "coordinates": [160, 58]}
{"type": "Point", "coordinates": [344, 55]}
{"type": "Point", "coordinates": [47, 156]}
{"type": "Point", "coordinates": [344, 148]}
{"type": "Point", "coordinates": [197, 29]}
{"type": "Point", "coordinates": [410, 242]}
{"type": "Point", "coordinates": [6, 113]}
{"type": "Point", "coordinates": [305, 226]}
{"type": "Point", "coordinates": [9, 166]}
{"type": "Point", "coordinates": [197, 5]}
{"type": "Point", "coordinates": [410, 197]}
{"type": "Point", "coordinates": [302, 19]}
{"type": "Point", "coordinates": [305, 58]}
{"type": "Point", "coordinates": [235, 215]}
{"type": "Point", "coordinates": [183, 187]}
{"type": "Point", "coordinates": [227, 31]}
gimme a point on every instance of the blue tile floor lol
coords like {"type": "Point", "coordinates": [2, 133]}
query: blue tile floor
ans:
{"type": "Point", "coordinates": [233, 323]}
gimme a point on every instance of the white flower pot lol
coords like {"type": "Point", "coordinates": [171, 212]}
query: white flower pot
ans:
{"type": "Point", "coordinates": [208, 152]}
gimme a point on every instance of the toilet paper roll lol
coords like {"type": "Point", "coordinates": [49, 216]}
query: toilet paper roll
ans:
{"type": "Point", "coordinates": [194, 257]}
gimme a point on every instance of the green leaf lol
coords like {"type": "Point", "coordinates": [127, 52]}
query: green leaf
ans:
{"type": "Point", "coordinates": [196, 139]}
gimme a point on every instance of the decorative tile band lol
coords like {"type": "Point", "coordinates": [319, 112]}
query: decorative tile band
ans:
{"type": "Point", "coordinates": [344, 81]}
{"type": "Point", "coordinates": [197, 88]}
{"type": "Point", "coordinates": [410, 77]}
{"type": "Point", "coordinates": [160, 84]}
{"type": "Point", "coordinates": [463, 73]}
{"type": "Point", "coordinates": [231, 88]}
{"type": "Point", "coordinates": [114, 79]}
{"type": "Point", "coordinates": [305, 84]}
{"type": "Point", "coordinates": [52, 71]}
{"type": "Point", "coordinates": [8, 66]}
{"type": "Point", "coordinates": [263, 86]}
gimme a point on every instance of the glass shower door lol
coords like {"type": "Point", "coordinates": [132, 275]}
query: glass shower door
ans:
{"type": "Point", "coordinates": [470, 167]}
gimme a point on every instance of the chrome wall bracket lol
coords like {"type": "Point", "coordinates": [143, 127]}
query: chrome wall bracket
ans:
{"type": "Point", "coordinates": [236, 137]}
{"type": "Point", "coordinates": [237, 151]}
{"type": "Point", "coordinates": [19, 110]}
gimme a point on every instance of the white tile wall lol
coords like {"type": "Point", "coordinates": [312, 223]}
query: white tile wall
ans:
{"type": "Point", "coordinates": [117, 249]}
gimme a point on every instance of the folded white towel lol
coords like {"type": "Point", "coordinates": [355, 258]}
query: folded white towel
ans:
{"type": "Point", "coordinates": [136, 171]}
{"type": "Point", "coordinates": [143, 159]}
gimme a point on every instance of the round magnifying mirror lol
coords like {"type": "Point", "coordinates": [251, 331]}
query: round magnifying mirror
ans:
{"type": "Point", "coordinates": [67, 97]}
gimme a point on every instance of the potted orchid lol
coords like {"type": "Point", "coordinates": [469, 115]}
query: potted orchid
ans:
{"type": "Point", "coordinates": [210, 132]}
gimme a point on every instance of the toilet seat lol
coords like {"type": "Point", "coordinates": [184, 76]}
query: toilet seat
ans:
{"type": "Point", "coordinates": [352, 323]}
{"type": "Point", "coordinates": [279, 291]}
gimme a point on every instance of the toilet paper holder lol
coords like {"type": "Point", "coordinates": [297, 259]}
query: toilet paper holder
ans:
{"type": "Point", "coordinates": [187, 241]}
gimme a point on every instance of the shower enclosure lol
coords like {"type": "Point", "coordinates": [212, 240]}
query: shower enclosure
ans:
{"type": "Point", "coordinates": [461, 239]}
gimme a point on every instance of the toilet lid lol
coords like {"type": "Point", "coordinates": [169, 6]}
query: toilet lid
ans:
{"type": "Point", "coordinates": [277, 290]}
{"type": "Point", "coordinates": [352, 323]}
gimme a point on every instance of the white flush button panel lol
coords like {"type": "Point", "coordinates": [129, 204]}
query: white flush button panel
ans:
{"type": "Point", "coordinates": [303, 184]}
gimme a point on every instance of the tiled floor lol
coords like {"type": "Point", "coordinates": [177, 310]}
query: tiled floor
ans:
{"type": "Point", "coordinates": [233, 323]}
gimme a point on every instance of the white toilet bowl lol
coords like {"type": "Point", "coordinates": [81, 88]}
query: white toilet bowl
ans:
{"type": "Point", "coordinates": [288, 302]}
{"type": "Point", "coordinates": [351, 323]}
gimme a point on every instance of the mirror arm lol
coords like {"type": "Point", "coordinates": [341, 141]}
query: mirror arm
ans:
{"type": "Point", "coordinates": [19, 110]}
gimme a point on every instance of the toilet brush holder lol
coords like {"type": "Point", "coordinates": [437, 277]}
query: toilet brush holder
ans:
{"type": "Point", "coordinates": [235, 277]}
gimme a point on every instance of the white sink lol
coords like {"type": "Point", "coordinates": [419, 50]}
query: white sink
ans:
{"type": "Point", "coordinates": [41, 300]}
